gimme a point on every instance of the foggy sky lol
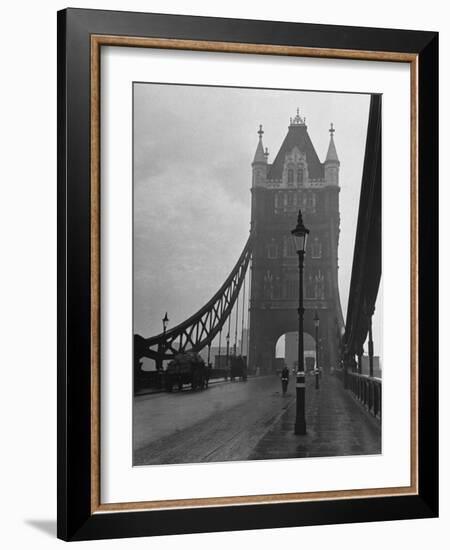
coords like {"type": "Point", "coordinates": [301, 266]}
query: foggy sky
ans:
{"type": "Point", "coordinates": [193, 148]}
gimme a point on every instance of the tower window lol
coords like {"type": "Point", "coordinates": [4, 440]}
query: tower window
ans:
{"type": "Point", "coordinates": [272, 251]}
{"type": "Point", "coordinates": [277, 288]}
{"type": "Point", "coordinates": [291, 289]}
{"type": "Point", "coordinates": [316, 248]}
{"type": "Point", "coordinates": [311, 202]}
{"type": "Point", "coordinates": [320, 285]}
{"type": "Point", "coordinates": [290, 248]}
{"type": "Point", "coordinates": [310, 289]}
{"type": "Point", "coordinates": [300, 176]}
{"type": "Point", "coordinates": [290, 175]}
{"type": "Point", "coordinates": [290, 198]}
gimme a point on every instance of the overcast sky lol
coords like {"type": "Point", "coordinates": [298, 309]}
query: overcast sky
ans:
{"type": "Point", "coordinates": [193, 148]}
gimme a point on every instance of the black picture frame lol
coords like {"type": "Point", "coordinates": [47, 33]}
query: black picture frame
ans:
{"type": "Point", "coordinates": [76, 518]}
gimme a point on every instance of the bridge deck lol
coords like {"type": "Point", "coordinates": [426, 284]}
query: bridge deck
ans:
{"type": "Point", "coordinates": [250, 420]}
{"type": "Point", "coordinates": [336, 426]}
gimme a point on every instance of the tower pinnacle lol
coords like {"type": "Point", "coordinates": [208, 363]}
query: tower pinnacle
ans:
{"type": "Point", "coordinates": [298, 120]}
{"type": "Point", "coordinates": [332, 154]}
{"type": "Point", "coordinates": [260, 156]}
{"type": "Point", "coordinates": [260, 132]}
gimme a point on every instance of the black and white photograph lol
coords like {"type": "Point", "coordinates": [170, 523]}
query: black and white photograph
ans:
{"type": "Point", "coordinates": [257, 289]}
{"type": "Point", "coordinates": [223, 279]}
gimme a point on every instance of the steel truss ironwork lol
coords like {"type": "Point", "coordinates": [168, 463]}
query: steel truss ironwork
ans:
{"type": "Point", "coordinates": [200, 329]}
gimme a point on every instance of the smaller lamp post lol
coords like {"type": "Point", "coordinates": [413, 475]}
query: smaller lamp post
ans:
{"type": "Point", "coordinates": [300, 234]}
{"type": "Point", "coordinates": [317, 324]}
{"type": "Point", "coordinates": [165, 320]}
{"type": "Point", "coordinates": [209, 354]}
{"type": "Point", "coordinates": [162, 349]}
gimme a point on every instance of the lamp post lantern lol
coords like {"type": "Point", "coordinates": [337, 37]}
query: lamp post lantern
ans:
{"type": "Point", "coordinates": [165, 320]}
{"type": "Point", "coordinates": [300, 234]}
{"type": "Point", "coordinates": [317, 324]}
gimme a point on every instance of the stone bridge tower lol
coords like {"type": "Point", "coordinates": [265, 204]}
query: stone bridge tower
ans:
{"type": "Point", "coordinates": [296, 179]}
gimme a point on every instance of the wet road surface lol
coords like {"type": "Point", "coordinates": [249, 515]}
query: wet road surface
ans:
{"type": "Point", "coordinates": [251, 421]}
{"type": "Point", "coordinates": [224, 422]}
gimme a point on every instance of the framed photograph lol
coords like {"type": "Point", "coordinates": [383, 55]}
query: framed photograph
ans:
{"type": "Point", "coordinates": [247, 255]}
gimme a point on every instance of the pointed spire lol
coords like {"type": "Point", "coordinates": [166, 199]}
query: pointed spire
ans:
{"type": "Point", "coordinates": [332, 153]}
{"type": "Point", "coordinates": [298, 120]}
{"type": "Point", "coordinates": [260, 155]}
{"type": "Point", "coordinates": [260, 132]}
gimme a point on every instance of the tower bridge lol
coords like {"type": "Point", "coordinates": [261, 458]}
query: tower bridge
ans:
{"type": "Point", "coordinates": [296, 180]}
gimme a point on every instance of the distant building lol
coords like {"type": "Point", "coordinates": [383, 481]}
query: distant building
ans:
{"type": "Point", "coordinates": [241, 349]}
{"type": "Point", "coordinates": [214, 351]}
{"type": "Point", "coordinates": [291, 348]}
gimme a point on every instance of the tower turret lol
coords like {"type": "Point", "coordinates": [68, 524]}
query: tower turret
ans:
{"type": "Point", "coordinates": [332, 161]}
{"type": "Point", "coordinates": [259, 163]}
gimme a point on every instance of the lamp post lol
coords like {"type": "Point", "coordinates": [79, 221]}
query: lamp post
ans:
{"type": "Point", "coordinates": [161, 349]}
{"type": "Point", "coordinates": [220, 345]}
{"type": "Point", "coordinates": [317, 324]}
{"type": "Point", "coordinates": [300, 234]}
{"type": "Point", "coordinates": [209, 354]}
{"type": "Point", "coordinates": [165, 320]}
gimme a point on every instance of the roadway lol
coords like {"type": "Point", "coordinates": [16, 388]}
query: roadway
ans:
{"type": "Point", "coordinates": [250, 421]}
{"type": "Point", "coordinates": [224, 422]}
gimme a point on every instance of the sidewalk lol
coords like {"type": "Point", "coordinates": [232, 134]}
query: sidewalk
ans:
{"type": "Point", "coordinates": [336, 426]}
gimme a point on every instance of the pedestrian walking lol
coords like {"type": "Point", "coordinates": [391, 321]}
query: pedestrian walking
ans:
{"type": "Point", "coordinates": [284, 379]}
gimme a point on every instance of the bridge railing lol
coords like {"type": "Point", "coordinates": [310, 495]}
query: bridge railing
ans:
{"type": "Point", "coordinates": [367, 390]}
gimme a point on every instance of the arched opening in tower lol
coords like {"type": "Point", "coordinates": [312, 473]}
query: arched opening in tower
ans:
{"type": "Point", "coordinates": [286, 351]}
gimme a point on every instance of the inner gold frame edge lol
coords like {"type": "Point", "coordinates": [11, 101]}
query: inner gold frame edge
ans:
{"type": "Point", "coordinates": [230, 47]}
